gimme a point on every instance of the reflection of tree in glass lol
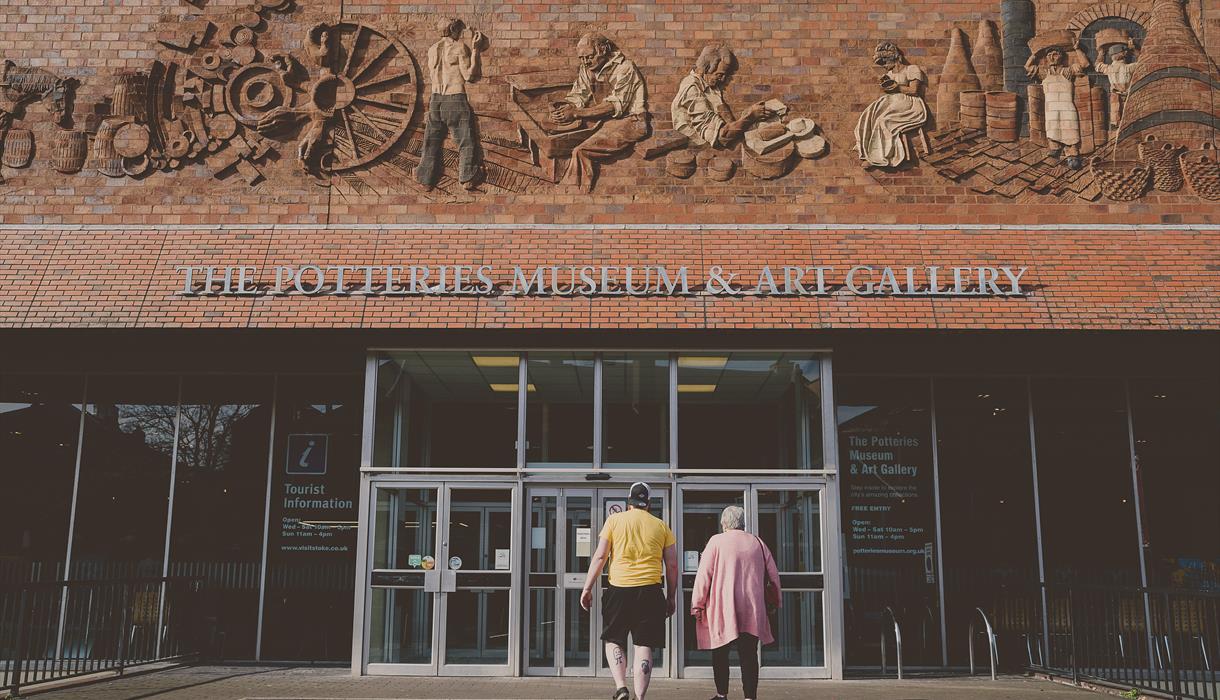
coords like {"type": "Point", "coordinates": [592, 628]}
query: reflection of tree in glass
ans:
{"type": "Point", "coordinates": [152, 423]}
{"type": "Point", "coordinates": [206, 434]}
{"type": "Point", "coordinates": [206, 431]}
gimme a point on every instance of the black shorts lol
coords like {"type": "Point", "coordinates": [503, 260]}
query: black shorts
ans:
{"type": "Point", "coordinates": [638, 611]}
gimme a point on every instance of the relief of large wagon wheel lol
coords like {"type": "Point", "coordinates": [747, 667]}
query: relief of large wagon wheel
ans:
{"type": "Point", "coordinates": [371, 92]}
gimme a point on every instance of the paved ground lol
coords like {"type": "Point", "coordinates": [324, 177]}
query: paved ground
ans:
{"type": "Point", "coordinates": [262, 683]}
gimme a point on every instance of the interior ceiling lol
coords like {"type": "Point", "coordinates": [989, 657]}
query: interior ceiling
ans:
{"type": "Point", "coordinates": [567, 377]}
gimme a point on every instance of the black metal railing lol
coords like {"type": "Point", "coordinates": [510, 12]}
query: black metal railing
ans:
{"type": "Point", "coordinates": [62, 629]}
{"type": "Point", "coordinates": [1162, 641]}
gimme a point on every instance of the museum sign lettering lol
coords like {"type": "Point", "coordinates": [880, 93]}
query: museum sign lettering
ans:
{"type": "Point", "coordinates": [599, 280]}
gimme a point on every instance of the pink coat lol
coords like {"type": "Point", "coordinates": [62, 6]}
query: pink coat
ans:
{"type": "Point", "coordinates": [731, 590]}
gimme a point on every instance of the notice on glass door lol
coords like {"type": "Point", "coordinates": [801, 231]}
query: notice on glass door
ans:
{"type": "Point", "coordinates": [889, 500]}
{"type": "Point", "coordinates": [584, 542]}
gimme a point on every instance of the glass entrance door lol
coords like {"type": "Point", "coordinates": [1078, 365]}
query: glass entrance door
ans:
{"type": "Point", "coordinates": [789, 520]}
{"type": "Point", "coordinates": [564, 526]}
{"type": "Point", "coordinates": [442, 573]}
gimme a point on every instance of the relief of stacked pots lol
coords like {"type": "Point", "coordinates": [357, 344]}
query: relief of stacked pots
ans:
{"type": "Point", "coordinates": [1003, 122]}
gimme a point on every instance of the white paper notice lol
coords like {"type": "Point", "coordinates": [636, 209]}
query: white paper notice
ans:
{"type": "Point", "coordinates": [584, 541]}
{"type": "Point", "coordinates": [502, 562]}
{"type": "Point", "coordinates": [691, 558]}
{"type": "Point", "coordinates": [538, 538]}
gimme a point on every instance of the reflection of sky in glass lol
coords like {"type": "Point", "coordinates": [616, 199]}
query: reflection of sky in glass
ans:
{"type": "Point", "coordinates": [9, 407]}
{"type": "Point", "coordinates": [849, 413]}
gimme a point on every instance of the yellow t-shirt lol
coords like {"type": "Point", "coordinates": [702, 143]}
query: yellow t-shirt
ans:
{"type": "Point", "coordinates": [636, 539]}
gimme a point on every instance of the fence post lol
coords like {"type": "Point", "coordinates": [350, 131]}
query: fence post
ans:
{"type": "Point", "coordinates": [19, 655]}
{"type": "Point", "coordinates": [1169, 639]}
{"type": "Point", "coordinates": [1072, 633]}
{"type": "Point", "coordinates": [123, 626]}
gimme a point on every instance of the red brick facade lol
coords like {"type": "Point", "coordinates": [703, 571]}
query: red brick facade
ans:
{"type": "Point", "coordinates": [126, 278]}
{"type": "Point", "coordinates": [98, 247]}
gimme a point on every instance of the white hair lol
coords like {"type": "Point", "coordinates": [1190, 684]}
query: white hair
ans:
{"type": "Point", "coordinates": [733, 518]}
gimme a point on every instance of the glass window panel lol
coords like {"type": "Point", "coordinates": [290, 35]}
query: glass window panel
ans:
{"type": "Point", "coordinates": [744, 410]}
{"type": "Point", "coordinates": [480, 522]}
{"type": "Point", "coordinates": [579, 516]}
{"type": "Point", "coordinates": [39, 429]}
{"type": "Point", "coordinates": [577, 651]}
{"type": "Point", "coordinates": [401, 626]}
{"type": "Point", "coordinates": [1177, 440]}
{"type": "Point", "coordinates": [700, 522]}
{"type": "Point", "coordinates": [405, 529]}
{"type": "Point", "coordinates": [635, 420]}
{"type": "Point", "coordinates": [542, 627]}
{"type": "Point", "coordinates": [799, 632]}
{"type": "Point", "coordinates": [987, 500]}
{"type": "Point", "coordinates": [1082, 443]}
{"type": "Point", "coordinates": [888, 513]}
{"type": "Point", "coordinates": [311, 552]}
{"type": "Point", "coordinates": [542, 534]}
{"type": "Point", "coordinates": [790, 522]}
{"type": "Point", "coordinates": [447, 409]}
{"type": "Point", "coordinates": [477, 627]}
{"type": "Point", "coordinates": [124, 478]}
{"type": "Point", "coordinates": [219, 499]}
{"type": "Point", "coordinates": [559, 411]}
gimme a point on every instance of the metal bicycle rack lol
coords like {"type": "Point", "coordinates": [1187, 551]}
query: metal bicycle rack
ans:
{"type": "Point", "coordinates": [897, 640]}
{"type": "Point", "coordinates": [991, 641]}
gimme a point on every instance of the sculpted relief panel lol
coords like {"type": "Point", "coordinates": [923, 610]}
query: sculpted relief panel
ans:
{"type": "Point", "coordinates": [1115, 102]}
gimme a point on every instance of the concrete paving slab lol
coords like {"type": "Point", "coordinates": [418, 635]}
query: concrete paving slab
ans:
{"type": "Point", "coordinates": [295, 683]}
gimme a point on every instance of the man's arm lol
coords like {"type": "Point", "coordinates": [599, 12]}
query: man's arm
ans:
{"type": "Point", "coordinates": [670, 554]}
{"type": "Point", "coordinates": [600, 555]}
{"type": "Point", "coordinates": [469, 65]}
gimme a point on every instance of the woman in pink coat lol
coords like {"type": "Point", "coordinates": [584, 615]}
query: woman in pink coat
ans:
{"type": "Point", "coordinates": [736, 583]}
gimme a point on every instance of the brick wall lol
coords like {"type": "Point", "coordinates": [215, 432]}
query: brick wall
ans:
{"type": "Point", "coordinates": [126, 278]}
{"type": "Point", "coordinates": [816, 57]}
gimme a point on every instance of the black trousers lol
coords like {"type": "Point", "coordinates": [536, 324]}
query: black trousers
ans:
{"type": "Point", "coordinates": [747, 656]}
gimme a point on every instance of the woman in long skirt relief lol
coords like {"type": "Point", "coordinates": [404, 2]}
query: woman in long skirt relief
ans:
{"type": "Point", "coordinates": [880, 139]}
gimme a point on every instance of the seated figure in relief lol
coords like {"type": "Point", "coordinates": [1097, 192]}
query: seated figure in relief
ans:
{"type": "Point", "coordinates": [621, 111]}
{"type": "Point", "coordinates": [699, 110]}
{"type": "Point", "coordinates": [881, 129]}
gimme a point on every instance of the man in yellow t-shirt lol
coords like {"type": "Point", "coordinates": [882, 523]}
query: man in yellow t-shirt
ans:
{"type": "Point", "coordinates": [635, 542]}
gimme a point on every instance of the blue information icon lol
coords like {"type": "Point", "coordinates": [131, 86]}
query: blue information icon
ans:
{"type": "Point", "coordinates": [307, 454]}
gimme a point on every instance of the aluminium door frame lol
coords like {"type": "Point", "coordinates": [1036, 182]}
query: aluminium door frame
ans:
{"type": "Point", "coordinates": [830, 606]}
{"type": "Point", "coordinates": [364, 621]}
{"type": "Point", "coordinates": [512, 647]}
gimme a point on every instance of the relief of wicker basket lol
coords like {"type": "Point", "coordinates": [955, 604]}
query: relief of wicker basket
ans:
{"type": "Point", "coordinates": [1202, 170]}
{"type": "Point", "coordinates": [1162, 159]}
{"type": "Point", "coordinates": [1120, 180]}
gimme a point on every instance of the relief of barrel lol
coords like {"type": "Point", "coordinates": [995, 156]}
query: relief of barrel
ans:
{"type": "Point", "coordinates": [1002, 120]}
{"type": "Point", "coordinates": [1037, 115]}
{"type": "Point", "coordinates": [974, 109]}
{"type": "Point", "coordinates": [18, 148]}
{"type": "Point", "coordinates": [129, 97]}
{"type": "Point", "coordinates": [69, 150]}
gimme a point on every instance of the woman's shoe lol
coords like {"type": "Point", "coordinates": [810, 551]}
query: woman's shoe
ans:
{"type": "Point", "coordinates": [622, 694]}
